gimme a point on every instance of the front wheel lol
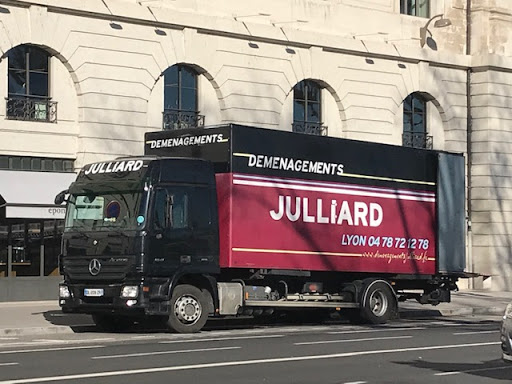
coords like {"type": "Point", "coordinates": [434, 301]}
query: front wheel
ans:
{"type": "Point", "coordinates": [188, 309]}
{"type": "Point", "coordinates": [379, 303]}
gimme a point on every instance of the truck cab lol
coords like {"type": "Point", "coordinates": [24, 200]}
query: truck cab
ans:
{"type": "Point", "coordinates": [133, 228]}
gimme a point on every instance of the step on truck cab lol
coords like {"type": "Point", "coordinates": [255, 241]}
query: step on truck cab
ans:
{"type": "Point", "coordinates": [236, 220]}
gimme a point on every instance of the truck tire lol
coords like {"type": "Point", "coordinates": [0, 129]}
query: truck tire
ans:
{"type": "Point", "coordinates": [378, 303]}
{"type": "Point", "coordinates": [188, 309]}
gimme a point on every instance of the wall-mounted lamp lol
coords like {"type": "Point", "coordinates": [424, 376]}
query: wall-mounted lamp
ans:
{"type": "Point", "coordinates": [441, 23]}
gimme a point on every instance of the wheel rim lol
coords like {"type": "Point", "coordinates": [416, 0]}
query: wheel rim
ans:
{"type": "Point", "coordinates": [187, 309]}
{"type": "Point", "coordinates": [378, 303]}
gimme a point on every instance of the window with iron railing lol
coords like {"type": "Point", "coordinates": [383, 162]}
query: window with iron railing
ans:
{"type": "Point", "coordinates": [415, 122]}
{"type": "Point", "coordinates": [310, 128]}
{"type": "Point", "coordinates": [28, 84]}
{"type": "Point", "coordinates": [176, 119]}
{"type": "Point", "coordinates": [307, 108]}
{"type": "Point", "coordinates": [417, 140]}
{"type": "Point", "coordinates": [181, 98]}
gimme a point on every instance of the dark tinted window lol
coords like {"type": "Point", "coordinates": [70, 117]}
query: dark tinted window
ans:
{"type": "Point", "coordinates": [180, 88]}
{"type": "Point", "coordinates": [27, 163]}
{"type": "Point", "coordinates": [415, 122]}
{"type": "Point", "coordinates": [419, 8]}
{"type": "Point", "coordinates": [28, 71]}
{"type": "Point", "coordinates": [182, 207]}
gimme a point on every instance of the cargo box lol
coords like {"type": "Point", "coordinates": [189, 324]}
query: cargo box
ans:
{"type": "Point", "coordinates": [292, 201]}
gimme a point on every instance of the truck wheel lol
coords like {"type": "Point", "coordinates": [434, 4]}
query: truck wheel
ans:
{"type": "Point", "coordinates": [188, 309]}
{"type": "Point", "coordinates": [379, 303]}
{"type": "Point", "coordinates": [111, 323]}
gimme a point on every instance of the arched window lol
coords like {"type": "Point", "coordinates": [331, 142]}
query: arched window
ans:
{"type": "Point", "coordinates": [415, 122]}
{"type": "Point", "coordinates": [28, 85]}
{"type": "Point", "coordinates": [180, 98]}
{"type": "Point", "coordinates": [307, 107]}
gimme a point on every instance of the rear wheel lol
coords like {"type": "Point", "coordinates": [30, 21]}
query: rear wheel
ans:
{"type": "Point", "coordinates": [188, 309]}
{"type": "Point", "coordinates": [379, 303]}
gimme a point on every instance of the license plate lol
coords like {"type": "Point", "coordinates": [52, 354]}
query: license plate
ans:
{"type": "Point", "coordinates": [93, 292]}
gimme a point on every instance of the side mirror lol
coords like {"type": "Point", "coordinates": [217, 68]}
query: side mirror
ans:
{"type": "Point", "coordinates": [61, 197]}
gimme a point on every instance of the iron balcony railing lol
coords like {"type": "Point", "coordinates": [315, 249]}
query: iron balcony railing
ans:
{"type": "Point", "coordinates": [31, 109]}
{"type": "Point", "coordinates": [179, 119]}
{"type": "Point", "coordinates": [309, 128]}
{"type": "Point", "coordinates": [417, 140]}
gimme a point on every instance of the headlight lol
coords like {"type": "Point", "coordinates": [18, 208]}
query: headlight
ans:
{"type": "Point", "coordinates": [64, 292]}
{"type": "Point", "coordinates": [508, 312]}
{"type": "Point", "coordinates": [130, 291]}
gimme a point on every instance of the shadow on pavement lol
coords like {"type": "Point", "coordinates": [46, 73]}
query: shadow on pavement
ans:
{"type": "Point", "coordinates": [82, 323]}
{"type": "Point", "coordinates": [492, 369]}
{"type": "Point", "coordinates": [78, 322]}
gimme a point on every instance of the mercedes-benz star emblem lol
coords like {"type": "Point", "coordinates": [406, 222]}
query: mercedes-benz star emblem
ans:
{"type": "Point", "coordinates": [94, 267]}
{"type": "Point", "coordinates": [95, 242]}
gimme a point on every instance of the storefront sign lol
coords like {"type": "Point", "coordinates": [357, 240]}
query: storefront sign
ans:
{"type": "Point", "coordinates": [35, 212]}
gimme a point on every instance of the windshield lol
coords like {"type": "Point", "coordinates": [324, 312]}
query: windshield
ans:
{"type": "Point", "coordinates": [106, 210]}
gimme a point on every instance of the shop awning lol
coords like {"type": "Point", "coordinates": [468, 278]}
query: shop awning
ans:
{"type": "Point", "coordinates": [31, 195]}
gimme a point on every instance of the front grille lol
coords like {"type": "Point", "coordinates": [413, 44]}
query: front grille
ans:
{"type": "Point", "coordinates": [112, 268]}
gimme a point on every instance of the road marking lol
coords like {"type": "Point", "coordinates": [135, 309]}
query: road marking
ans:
{"type": "Point", "coordinates": [51, 349]}
{"type": "Point", "coordinates": [163, 352]}
{"type": "Point", "coordinates": [52, 342]}
{"type": "Point", "coordinates": [9, 338]}
{"type": "Point", "coordinates": [143, 337]}
{"type": "Point", "coordinates": [356, 382]}
{"type": "Point", "coordinates": [376, 330]}
{"type": "Point", "coordinates": [475, 333]}
{"type": "Point", "coordinates": [472, 371]}
{"type": "Point", "coordinates": [352, 340]}
{"type": "Point", "coordinates": [6, 364]}
{"type": "Point", "coordinates": [76, 341]}
{"type": "Point", "coordinates": [220, 339]}
{"type": "Point", "coordinates": [239, 363]}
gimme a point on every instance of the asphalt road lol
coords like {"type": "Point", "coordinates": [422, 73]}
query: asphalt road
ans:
{"type": "Point", "coordinates": [454, 350]}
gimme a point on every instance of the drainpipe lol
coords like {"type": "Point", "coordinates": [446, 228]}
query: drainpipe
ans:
{"type": "Point", "coordinates": [469, 120]}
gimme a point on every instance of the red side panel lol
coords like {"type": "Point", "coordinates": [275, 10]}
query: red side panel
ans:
{"type": "Point", "coordinates": [268, 222]}
{"type": "Point", "coordinates": [224, 183]}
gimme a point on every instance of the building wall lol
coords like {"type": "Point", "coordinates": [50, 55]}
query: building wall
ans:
{"type": "Point", "coordinates": [109, 57]}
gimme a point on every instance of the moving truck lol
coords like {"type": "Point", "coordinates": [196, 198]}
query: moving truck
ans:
{"type": "Point", "coordinates": [235, 220]}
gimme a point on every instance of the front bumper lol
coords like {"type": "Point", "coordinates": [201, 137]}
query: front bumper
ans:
{"type": "Point", "coordinates": [110, 299]}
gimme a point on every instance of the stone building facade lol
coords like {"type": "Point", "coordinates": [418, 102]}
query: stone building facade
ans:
{"type": "Point", "coordinates": [427, 73]}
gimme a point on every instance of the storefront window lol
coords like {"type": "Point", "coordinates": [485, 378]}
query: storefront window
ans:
{"type": "Point", "coordinates": [52, 236]}
{"type": "Point", "coordinates": [4, 242]}
{"type": "Point", "coordinates": [27, 249]}
{"type": "Point", "coordinates": [31, 241]}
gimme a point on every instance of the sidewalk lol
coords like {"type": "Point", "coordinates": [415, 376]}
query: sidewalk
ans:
{"type": "Point", "coordinates": [45, 317]}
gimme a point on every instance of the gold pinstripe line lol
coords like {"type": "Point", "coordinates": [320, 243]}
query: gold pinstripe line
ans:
{"type": "Point", "coordinates": [296, 252]}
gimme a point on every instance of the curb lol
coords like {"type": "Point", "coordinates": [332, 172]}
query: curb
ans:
{"type": "Point", "coordinates": [466, 311]}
